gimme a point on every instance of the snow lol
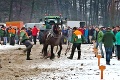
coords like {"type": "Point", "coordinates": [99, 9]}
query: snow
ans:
{"type": "Point", "coordinates": [66, 69]}
{"type": "Point", "coordinates": [5, 47]}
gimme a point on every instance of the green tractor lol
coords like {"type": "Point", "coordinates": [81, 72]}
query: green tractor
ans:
{"type": "Point", "coordinates": [52, 20]}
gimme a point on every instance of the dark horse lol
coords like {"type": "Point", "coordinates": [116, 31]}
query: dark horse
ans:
{"type": "Point", "coordinates": [52, 39]}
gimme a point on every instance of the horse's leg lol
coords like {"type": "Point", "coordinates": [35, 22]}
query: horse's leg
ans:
{"type": "Point", "coordinates": [45, 50]}
{"type": "Point", "coordinates": [52, 54]}
{"type": "Point", "coordinates": [42, 50]}
{"type": "Point", "coordinates": [59, 52]}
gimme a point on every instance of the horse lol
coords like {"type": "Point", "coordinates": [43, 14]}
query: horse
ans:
{"type": "Point", "coordinates": [52, 39]}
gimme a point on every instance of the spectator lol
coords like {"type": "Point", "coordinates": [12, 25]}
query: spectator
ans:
{"type": "Point", "coordinates": [34, 34]}
{"type": "Point", "coordinates": [108, 40]}
{"type": "Point", "coordinates": [12, 34]}
{"type": "Point", "coordinates": [99, 36]}
{"type": "Point", "coordinates": [2, 35]}
{"type": "Point", "coordinates": [86, 34]}
{"type": "Point", "coordinates": [29, 32]}
{"type": "Point", "coordinates": [117, 36]}
{"type": "Point", "coordinates": [90, 33]}
{"type": "Point", "coordinates": [65, 35]}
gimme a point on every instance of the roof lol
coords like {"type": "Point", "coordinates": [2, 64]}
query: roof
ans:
{"type": "Point", "coordinates": [52, 16]}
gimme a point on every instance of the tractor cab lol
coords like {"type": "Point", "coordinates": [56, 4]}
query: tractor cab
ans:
{"type": "Point", "coordinates": [52, 20]}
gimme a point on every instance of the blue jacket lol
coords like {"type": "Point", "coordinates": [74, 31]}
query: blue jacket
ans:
{"type": "Point", "coordinates": [86, 33]}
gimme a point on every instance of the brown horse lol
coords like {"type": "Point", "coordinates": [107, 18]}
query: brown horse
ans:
{"type": "Point", "coordinates": [52, 40]}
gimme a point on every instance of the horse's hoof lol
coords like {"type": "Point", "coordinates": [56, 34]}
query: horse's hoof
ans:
{"type": "Point", "coordinates": [51, 58]}
{"type": "Point", "coordinates": [58, 56]}
{"type": "Point", "coordinates": [65, 54]}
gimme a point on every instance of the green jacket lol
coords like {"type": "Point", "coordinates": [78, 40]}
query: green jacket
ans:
{"type": "Point", "coordinates": [24, 35]}
{"type": "Point", "coordinates": [75, 38]}
{"type": "Point", "coordinates": [108, 39]}
{"type": "Point", "coordinates": [1, 33]}
{"type": "Point", "coordinates": [100, 36]}
{"type": "Point", "coordinates": [117, 36]}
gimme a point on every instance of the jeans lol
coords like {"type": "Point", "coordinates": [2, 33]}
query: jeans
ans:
{"type": "Point", "coordinates": [5, 40]}
{"type": "Point", "coordinates": [90, 39]}
{"type": "Point", "coordinates": [118, 52]}
{"type": "Point", "coordinates": [86, 39]}
{"type": "Point", "coordinates": [100, 47]}
{"type": "Point", "coordinates": [108, 51]}
{"type": "Point", "coordinates": [115, 49]}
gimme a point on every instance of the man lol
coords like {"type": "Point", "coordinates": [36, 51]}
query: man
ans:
{"type": "Point", "coordinates": [1, 35]}
{"type": "Point", "coordinates": [34, 34]}
{"type": "Point", "coordinates": [99, 36]}
{"type": "Point", "coordinates": [108, 40]}
{"type": "Point", "coordinates": [77, 39]}
{"type": "Point", "coordinates": [65, 35]}
{"type": "Point", "coordinates": [55, 29]}
{"type": "Point", "coordinates": [86, 34]}
{"type": "Point", "coordinates": [25, 40]}
{"type": "Point", "coordinates": [29, 32]}
{"type": "Point", "coordinates": [12, 34]}
{"type": "Point", "coordinates": [117, 36]}
{"type": "Point", "coordinates": [90, 34]}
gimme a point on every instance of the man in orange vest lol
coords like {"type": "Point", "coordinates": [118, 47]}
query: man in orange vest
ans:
{"type": "Point", "coordinates": [77, 39]}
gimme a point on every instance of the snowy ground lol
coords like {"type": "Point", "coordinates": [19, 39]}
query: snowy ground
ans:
{"type": "Point", "coordinates": [15, 67]}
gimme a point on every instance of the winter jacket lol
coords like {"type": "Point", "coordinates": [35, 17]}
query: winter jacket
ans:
{"type": "Point", "coordinates": [34, 31]}
{"type": "Point", "coordinates": [117, 36]}
{"type": "Point", "coordinates": [90, 32]}
{"type": "Point", "coordinates": [29, 32]}
{"type": "Point", "coordinates": [24, 35]}
{"type": "Point", "coordinates": [108, 39]}
{"type": "Point", "coordinates": [81, 30]}
{"type": "Point", "coordinates": [1, 33]}
{"type": "Point", "coordinates": [12, 32]}
{"type": "Point", "coordinates": [99, 36]}
{"type": "Point", "coordinates": [77, 37]}
{"type": "Point", "coordinates": [86, 33]}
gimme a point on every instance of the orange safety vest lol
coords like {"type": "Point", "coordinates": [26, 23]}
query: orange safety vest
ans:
{"type": "Point", "coordinates": [12, 31]}
{"type": "Point", "coordinates": [77, 32]}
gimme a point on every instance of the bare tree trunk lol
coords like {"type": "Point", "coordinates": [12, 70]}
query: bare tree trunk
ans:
{"type": "Point", "coordinates": [112, 12]}
{"type": "Point", "coordinates": [11, 9]}
{"type": "Point", "coordinates": [20, 10]}
{"type": "Point", "coordinates": [32, 11]}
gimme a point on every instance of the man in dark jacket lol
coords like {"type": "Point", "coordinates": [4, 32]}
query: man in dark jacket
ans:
{"type": "Point", "coordinates": [29, 32]}
{"type": "Point", "coordinates": [108, 40]}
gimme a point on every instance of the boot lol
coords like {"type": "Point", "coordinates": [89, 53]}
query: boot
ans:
{"type": "Point", "coordinates": [108, 63]}
{"type": "Point", "coordinates": [79, 55]}
{"type": "Point", "coordinates": [28, 56]}
{"type": "Point", "coordinates": [69, 57]}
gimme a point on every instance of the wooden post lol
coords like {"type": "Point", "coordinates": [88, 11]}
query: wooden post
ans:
{"type": "Point", "coordinates": [102, 68]}
{"type": "Point", "coordinates": [98, 56]}
{"type": "Point", "coordinates": [0, 64]}
{"type": "Point", "coordinates": [95, 51]}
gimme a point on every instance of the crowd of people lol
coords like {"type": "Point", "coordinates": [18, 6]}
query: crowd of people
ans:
{"type": "Point", "coordinates": [11, 35]}
{"type": "Point", "coordinates": [109, 36]}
